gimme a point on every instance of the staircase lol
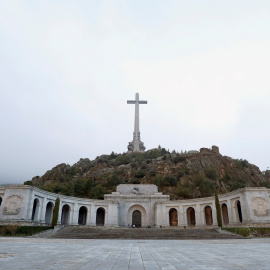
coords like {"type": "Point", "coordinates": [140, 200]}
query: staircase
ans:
{"type": "Point", "coordinates": [85, 232]}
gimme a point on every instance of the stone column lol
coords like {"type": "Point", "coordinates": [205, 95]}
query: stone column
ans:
{"type": "Point", "coordinates": [43, 205]}
{"type": "Point", "coordinates": [199, 215]}
{"type": "Point", "coordinates": [75, 214]}
{"type": "Point", "coordinates": [60, 212]}
{"type": "Point", "coordinates": [30, 208]}
{"type": "Point", "coordinates": [93, 215]}
{"type": "Point", "coordinates": [88, 218]}
{"type": "Point", "coordinates": [214, 214]}
{"type": "Point", "coordinates": [181, 221]}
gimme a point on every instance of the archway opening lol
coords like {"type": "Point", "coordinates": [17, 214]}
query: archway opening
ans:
{"type": "Point", "coordinates": [82, 215]}
{"type": "Point", "coordinates": [65, 215]}
{"type": "Point", "coordinates": [173, 217]}
{"type": "Point", "coordinates": [225, 214]}
{"type": "Point", "coordinates": [100, 219]}
{"type": "Point", "coordinates": [137, 218]}
{"type": "Point", "coordinates": [191, 216]}
{"type": "Point", "coordinates": [0, 201]}
{"type": "Point", "coordinates": [239, 211]}
{"type": "Point", "coordinates": [35, 210]}
{"type": "Point", "coordinates": [208, 215]}
{"type": "Point", "coordinates": [48, 214]}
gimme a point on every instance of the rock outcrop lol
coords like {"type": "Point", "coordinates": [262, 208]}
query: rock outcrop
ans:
{"type": "Point", "coordinates": [181, 175]}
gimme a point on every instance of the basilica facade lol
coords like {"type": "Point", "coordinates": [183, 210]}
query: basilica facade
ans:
{"type": "Point", "coordinates": [134, 205]}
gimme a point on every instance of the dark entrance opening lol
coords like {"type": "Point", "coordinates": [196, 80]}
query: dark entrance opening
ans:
{"type": "Point", "coordinates": [225, 215]}
{"type": "Point", "coordinates": [35, 210]}
{"type": "Point", "coordinates": [137, 218]}
{"type": "Point", "coordinates": [173, 216]}
{"type": "Point", "coordinates": [82, 215]}
{"type": "Point", "coordinates": [65, 215]}
{"type": "Point", "coordinates": [48, 214]}
{"type": "Point", "coordinates": [239, 210]}
{"type": "Point", "coordinates": [100, 219]}
{"type": "Point", "coordinates": [208, 215]}
{"type": "Point", "coordinates": [0, 201]}
{"type": "Point", "coordinates": [191, 216]}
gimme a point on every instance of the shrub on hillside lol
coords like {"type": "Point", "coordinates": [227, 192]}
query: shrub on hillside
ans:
{"type": "Point", "coordinates": [158, 180]}
{"type": "Point", "coordinates": [139, 174]}
{"type": "Point", "coordinates": [114, 180]}
{"type": "Point", "coordinates": [265, 184]}
{"type": "Point", "coordinates": [98, 192]}
{"type": "Point", "coordinates": [237, 183]}
{"type": "Point", "coordinates": [210, 173]}
{"type": "Point", "coordinates": [170, 180]}
{"type": "Point", "coordinates": [241, 163]}
{"type": "Point", "coordinates": [183, 192]}
{"type": "Point", "coordinates": [178, 159]}
{"type": "Point", "coordinates": [206, 188]}
{"type": "Point", "coordinates": [135, 181]}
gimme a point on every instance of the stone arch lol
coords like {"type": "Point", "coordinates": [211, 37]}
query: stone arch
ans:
{"type": "Point", "coordinates": [100, 217]}
{"type": "Point", "coordinates": [142, 211]}
{"type": "Point", "coordinates": [65, 214]}
{"type": "Point", "coordinates": [49, 213]}
{"type": "Point", "coordinates": [0, 201]}
{"type": "Point", "coordinates": [173, 217]}
{"type": "Point", "coordinates": [35, 210]}
{"type": "Point", "coordinates": [208, 215]}
{"type": "Point", "coordinates": [191, 219]}
{"type": "Point", "coordinates": [82, 215]}
{"type": "Point", "coordinates": [238, 211]}
{"type": "Point", "coordinates": [225, 215]}
{"type": "Point", "coordinates": [137, 218]}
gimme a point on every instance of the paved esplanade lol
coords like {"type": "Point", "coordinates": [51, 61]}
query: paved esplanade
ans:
{"type": "Point", "coordinates": [136, 145]}
{"type": "Point", "coordinates": [34, 253]}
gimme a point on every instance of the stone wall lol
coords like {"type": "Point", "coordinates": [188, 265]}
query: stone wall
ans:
{"type": "Point", "coordinates": [27, 204]}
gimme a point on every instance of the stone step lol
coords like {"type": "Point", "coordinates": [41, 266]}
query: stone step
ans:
{"type": "Point", "coordinates": [87, 232]}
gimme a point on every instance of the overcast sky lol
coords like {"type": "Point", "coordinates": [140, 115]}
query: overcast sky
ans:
{"type": "Point", "coordinates": [67, 69]}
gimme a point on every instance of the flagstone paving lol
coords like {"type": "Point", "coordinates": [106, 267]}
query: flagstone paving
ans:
{"type": "Point", "coordinates": [69, 254]}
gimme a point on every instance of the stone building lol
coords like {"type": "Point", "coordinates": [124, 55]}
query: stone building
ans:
{"type": "Point", "coordinates": [134, 205]}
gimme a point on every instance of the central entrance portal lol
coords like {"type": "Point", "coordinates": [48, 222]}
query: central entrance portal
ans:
{"type": "Point", "coordinates": [137, 218]}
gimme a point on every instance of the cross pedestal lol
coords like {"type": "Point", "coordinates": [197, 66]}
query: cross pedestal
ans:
{"type": "Point", "coordinates": [136, 145]}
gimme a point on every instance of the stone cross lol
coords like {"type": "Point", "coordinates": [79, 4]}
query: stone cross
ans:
{"type": "Point", "coordinates": [136, 145]}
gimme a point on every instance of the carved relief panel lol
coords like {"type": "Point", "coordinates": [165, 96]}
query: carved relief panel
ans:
{"type": "Point", "coordinates": [260, 207]}
{"type": "Point", "coordinates": [13, 205]}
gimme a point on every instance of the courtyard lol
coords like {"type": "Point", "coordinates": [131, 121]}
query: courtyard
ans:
{"type": "Point", "coordinates": [54, 254]}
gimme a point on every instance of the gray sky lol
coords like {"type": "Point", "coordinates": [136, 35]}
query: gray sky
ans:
{"type": "Point", "coordinates": [68, 67]}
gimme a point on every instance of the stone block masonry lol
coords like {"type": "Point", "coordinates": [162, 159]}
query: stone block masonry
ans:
{"type": "Point", "coordinates": [134, 205]}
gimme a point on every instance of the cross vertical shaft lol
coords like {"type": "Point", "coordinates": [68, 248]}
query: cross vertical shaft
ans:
{"type": "Point", "coordinates": [136, 145]}
{"type": "Point", "coordinates": [136, 133]}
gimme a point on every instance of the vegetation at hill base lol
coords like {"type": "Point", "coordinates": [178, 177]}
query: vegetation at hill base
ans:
{"type": "Point", "coordinates": [15, 230]}
{"type": "Point", "coordinates": [251, 231]}
{"type": "Point", "coordinates": [186, 175]}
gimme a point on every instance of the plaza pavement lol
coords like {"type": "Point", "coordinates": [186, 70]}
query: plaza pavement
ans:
{"type": "Point", "coordinates": [54, 254]}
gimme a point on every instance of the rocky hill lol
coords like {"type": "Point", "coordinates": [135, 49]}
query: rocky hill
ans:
{"type": "Point", "coordinates": [181, 175]}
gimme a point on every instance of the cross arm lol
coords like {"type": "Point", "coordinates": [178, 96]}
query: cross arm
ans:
{"type": "Point", "coordinates": [142, 102]}
{"type": "Point", "coordinates": [131, 102]}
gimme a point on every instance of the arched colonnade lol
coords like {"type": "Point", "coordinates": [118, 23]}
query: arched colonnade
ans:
{"type": "Point", "coordinates": [64, 214]}
{"type": "Point", "coordinates": [136, 215]}
{"type": "Point", "coordinates": [208, 215]}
